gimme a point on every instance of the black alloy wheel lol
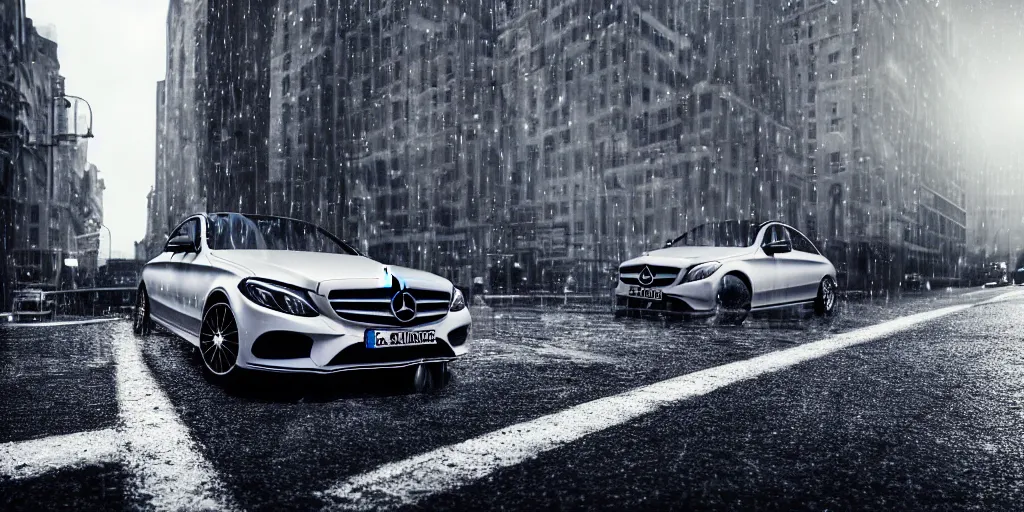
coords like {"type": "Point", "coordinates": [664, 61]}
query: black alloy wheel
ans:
{"type": "Point", "coordinates": [732, 305]}
{"type": "Point", "coordinates": [218, 341]}
{"type": "Point", "coordinates": [825, 303]}
{"type": "Point", "coordinates": [141, 321]}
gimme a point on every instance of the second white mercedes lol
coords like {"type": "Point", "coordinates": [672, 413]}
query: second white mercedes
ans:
{"type": "Point", "coordinates": [256, 292]}
{"type": "Point", "coordinates": [727, 269]}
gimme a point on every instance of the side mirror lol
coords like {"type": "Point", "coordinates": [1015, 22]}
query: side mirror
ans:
{"type": "Point", "coordinates": [668, 243]}
{"type": "Point", "coordinates": [181, 243]}
{"type": "Point", "coordinates": [778, 246]}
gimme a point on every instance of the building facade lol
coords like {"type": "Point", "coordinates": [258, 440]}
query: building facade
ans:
{"type": "Point", "coordinates": [865, 84]}
{"type": "Point", "coordinates": [626, 123]}
{"type": "Point", "coordinates": [47, 194]}
{"type": "Point", "coordinates": [561, 137]}
{"type": "Point", "coordinates": [213, 111]}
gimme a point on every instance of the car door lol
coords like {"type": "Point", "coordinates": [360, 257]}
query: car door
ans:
{"type": "Point", "coordinates": [194, 277]}
{"type": "Point", "coordinates": [803, 268]}
{"type": "Point", "coordinates": [760, 269]}
{"type": "Point", "coordinates": [775, 292]}
{"type": "Point", "coordinates": [176, 283]}
{"type": "Point", "coordinates": [161, 278]}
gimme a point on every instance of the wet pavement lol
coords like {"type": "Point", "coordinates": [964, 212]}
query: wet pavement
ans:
{"type": "Point", "coordinates": [926, 418]}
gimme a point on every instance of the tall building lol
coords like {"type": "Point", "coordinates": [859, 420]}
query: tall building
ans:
{"type": "Point", "coordinates": [865, 87]}
{"type": "Point", "coordinates": [417, 97]}
{"type": "Point", "coordinates": [233, 57]}
{"type": "Point", "coordinates": [629, 122]}
{"type": "Point", "coordinates": [565, 136]}
{"type": "Point", "coordinates": [46, 191]}
{"type": "Point", "coordinates": [37, 254]}
{"type": "Point", "coordinates": [182, 138]}
{"type": "Point", "coordinates": [214, 111]}
{"type": "Point", "coordinates": [304, 178]}
{"type": "Point", "coordinates": [13, 134]}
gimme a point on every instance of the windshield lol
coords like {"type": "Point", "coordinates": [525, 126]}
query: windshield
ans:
{"type": "Point", "coordinates": [719, 234]}
{"type": "Point", "coordinates": [234, 231]}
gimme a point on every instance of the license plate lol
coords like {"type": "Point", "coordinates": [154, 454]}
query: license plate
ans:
{"type": "Point", "coordinates": [383, 339]}
{"type": "Point", "coordinates": [645, 293]}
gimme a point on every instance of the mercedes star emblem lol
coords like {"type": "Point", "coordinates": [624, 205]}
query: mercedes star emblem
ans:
{"type": "Point", "coordinates": [646, 276]}
{"type": "Point", "coordinates": [403, 306]}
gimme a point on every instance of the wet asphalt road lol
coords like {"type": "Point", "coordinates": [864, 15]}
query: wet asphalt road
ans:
{"type": "Point", "coordinates": [929, 418]}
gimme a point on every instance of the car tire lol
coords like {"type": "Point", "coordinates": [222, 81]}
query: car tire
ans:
{"type": "Point", "coordinates": [732, 304]}
{"type": "Point", "coordinates": [428, 377]}
{"type": "Point", "coordinates": [218, 343]}
{"type": "Point", "coordinates": [825, 302]}
{"type": "Point", "coordinates": [142, 322]}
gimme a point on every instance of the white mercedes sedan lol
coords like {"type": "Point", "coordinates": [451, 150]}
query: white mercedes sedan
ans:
{"type": "Point", "coordinates": [257, 292]}
{"type": "Point", "coordinates": [725, 270]}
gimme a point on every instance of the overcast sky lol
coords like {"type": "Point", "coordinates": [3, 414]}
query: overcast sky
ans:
{"type": "Point", "coordinates": [992, 35]}
{"type": "Point", "coordinates": [112, 54]}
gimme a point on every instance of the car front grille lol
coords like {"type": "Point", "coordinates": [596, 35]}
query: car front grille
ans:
{"type": "Point", "coordinates": [663, 276]}
{"type": "Point", "coordinates": [372, 306]}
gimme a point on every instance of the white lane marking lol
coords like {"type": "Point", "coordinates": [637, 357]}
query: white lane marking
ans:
{"type": "Point", "coordinates": [1001, 297]}
{"type": "Point", "coordinates": [28, 459]}
{"type": "Point", "coordinates": [169, 470]}
{"type": "Point", "coordinates": [447, 468]}
{"type": "Point", "coordinates": [61, 323]}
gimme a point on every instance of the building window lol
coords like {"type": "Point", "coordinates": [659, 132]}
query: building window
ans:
{"type": "Point", "coordinates": [835, 213]}
{"type": "Point", "coordinates": [812, 131]}
{"type": "Point", "coordinates": [833, 58]}
{"type": "Point", "coordinates": [812, 94]}
{"type": "Point", "coordinates": [705, 102]}
{"type": "Point", "coordinates": [286, 85]}
{"type": "Point", "coordinates": [34, 214]}
{"type": "Point", "coordinates": [835, 162]}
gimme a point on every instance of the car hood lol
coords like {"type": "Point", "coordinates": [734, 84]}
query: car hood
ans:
{"type": "Point", "coordinates": [320, 271]}
{"type": "Point", "coordinates": [686, 256]}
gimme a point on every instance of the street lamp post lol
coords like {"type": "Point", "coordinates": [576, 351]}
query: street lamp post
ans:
{"type": "Point", "coordinates": [110, 241]}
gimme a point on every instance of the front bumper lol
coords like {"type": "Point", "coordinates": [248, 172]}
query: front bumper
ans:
{"type": "Point", "coordinates": [695, 298]}
{"type": "Point", "coordinates": [328, 344]}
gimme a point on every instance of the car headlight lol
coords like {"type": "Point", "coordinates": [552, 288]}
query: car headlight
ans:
{"type": "Point", "coordinates": [278, 297]}
{"type": "Point", "coordinates": [458, 301]}
{"type": "Point", "coordinates": [702, 271]}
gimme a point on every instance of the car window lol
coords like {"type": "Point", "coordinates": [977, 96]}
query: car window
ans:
{"type": "Point", "coordinates": [730, 233]}
{"type": "Point", "coordinates": [801, 243]}
{"type": "Point", "coordinates": [233, 231]}
{"type": "Point", "coordinates": [190, 228]}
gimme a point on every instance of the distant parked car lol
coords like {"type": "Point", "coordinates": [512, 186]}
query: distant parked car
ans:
{"type": "Point", "coordinates": [913, 282]}
{"type": "Point", "coordinates": [257, 292]}
{"type": "Point", "coordinates": [32, 305]}
{"type": "Point", "coordinates": [997, 275]}
{"type": "Point", "coordinates": [726, 270]}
